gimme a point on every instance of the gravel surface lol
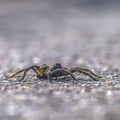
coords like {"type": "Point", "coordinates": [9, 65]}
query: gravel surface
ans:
{"type": "Point", "coordinates": [72, 33]}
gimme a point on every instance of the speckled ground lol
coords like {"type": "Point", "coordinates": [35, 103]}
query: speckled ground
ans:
{"type": "Point", "coordinates": [72, 33]}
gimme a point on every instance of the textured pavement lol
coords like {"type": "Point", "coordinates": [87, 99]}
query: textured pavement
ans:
{"type": "Point", "coordinates": [72, 33]}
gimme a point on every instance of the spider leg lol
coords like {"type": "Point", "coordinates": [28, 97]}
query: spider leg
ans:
{"type": "Point", "coordinates": [49, 75]}
{"type": "Point", "coordinates": [34, 68]}
{"type": "Point", "coordinates": [15, 73]}
{"type": "Point", "coordinates": [90, 72]}
{"type": "Point", "coordinates": [24, 74]}
{"type": "Point", "coordinates": [23, 70]}
{"type": "Point", "coordinates": [40, 73]}
{"type": "Point", "coordinates": [60, 72]}
{"type": "Point", "coordinates": [37, 70]}
{"type": "Point", "coordinates": [86, 72]}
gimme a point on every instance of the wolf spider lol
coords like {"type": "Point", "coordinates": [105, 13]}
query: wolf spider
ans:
{"type": "Point", "coordinates": [54, 72]}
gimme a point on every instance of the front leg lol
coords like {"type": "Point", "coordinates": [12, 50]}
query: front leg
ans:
{"type": "Point", "coordinates": [49, 76]}
{"type": "Point", "coordinates": [62, 72]}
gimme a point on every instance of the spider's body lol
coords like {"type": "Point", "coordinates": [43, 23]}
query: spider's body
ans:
{"type": "Point", "coordinates": [54, 72]}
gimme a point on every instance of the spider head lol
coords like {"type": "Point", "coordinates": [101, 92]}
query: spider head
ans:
{"type": "Point", "coordinates": [56, 66]}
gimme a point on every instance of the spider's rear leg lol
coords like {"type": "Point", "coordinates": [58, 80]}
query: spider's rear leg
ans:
{"type": "Point", "coordinates": [61, 72]}
{"type": "Point", "coordinates": [85, 72]}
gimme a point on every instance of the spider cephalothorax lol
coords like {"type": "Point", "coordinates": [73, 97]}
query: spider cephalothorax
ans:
{"type": "Point", "coordinates": [54, 72]}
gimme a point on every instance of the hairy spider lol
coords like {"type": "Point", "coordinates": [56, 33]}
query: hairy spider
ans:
{"type": "Point", "coordinates": [54, 72]}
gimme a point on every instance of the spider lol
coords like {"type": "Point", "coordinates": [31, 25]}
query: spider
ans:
{"type": "Point", "coordinates": [54, 72]}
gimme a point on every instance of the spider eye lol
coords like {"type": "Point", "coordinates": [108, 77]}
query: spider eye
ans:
{"type": "Point", "coordinates": [58, 65]}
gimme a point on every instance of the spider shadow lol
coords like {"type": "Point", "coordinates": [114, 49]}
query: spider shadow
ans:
{"type": "Point", "coordinates": [63, 80]}
{"type": "Point", "coordinates": [57, 80]}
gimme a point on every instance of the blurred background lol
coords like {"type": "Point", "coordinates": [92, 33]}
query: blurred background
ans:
{"type": "Point", "coordinates": [73, 32]}
{"type": "Point", "coordinates": [83, 33]}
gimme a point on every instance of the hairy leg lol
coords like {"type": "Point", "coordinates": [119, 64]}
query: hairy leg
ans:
{"type": "Point", "coordinates": [86, 72]}
{"type": "Point", "coordinates": [15, 73]}
{"type": "Point", "coordinates": [34, 68]}
{"type": "Point", "coordinates": [61, 72]}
